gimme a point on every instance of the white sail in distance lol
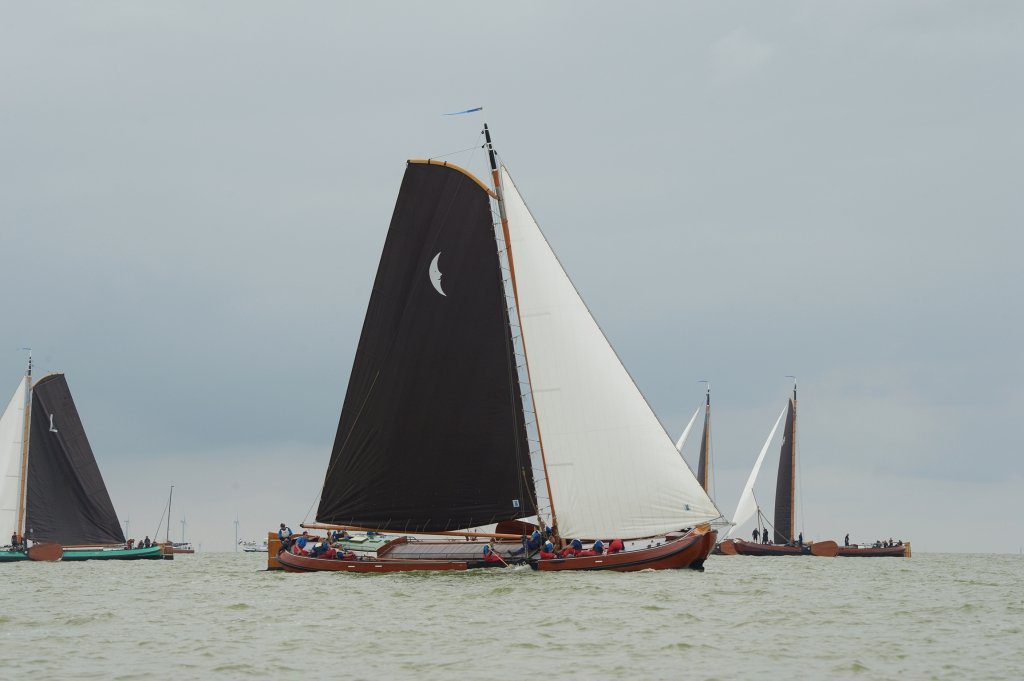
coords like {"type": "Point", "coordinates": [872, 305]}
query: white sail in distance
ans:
{"type": "Point", "coordinates": [681, 442]}
{"type": "Point", "coordinates": [613, 470]}
{"type": "Point", "coordinates": [12, 439]}
{"type": "Point", "coordinates": [747, 505]}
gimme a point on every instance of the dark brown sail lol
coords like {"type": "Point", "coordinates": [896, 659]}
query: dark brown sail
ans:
{"type": "Point", "coordinates": [67, 501]}
{"type": "Point", "coordinates": [432, 434]}
{"type": "Point", "coordinates": [785, 486]}
{"type": "Point", "coordinates": [705, 443]}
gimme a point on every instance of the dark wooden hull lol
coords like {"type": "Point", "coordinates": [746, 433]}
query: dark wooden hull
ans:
{"type": "Point", "coordinates": [824, 549]}
{"type": "Point", "coordinates": [871, 552]}
{"type": "Point", "coordinates": [292, 563]}
{"type": "Point", "coordinates": [746, 548]}
{"type": "Point", "coordinates": [688, 551]}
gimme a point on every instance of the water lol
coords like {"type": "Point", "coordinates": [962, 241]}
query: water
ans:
{"type": "Point", "coordinates": [933, 616]}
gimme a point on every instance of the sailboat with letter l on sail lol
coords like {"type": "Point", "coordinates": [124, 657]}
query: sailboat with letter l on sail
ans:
{"type": "Point", "coordinates": [53, 502]}
{"type": "Point", "coordinates": [433, 436]}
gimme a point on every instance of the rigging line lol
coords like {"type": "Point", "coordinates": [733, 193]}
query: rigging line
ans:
{"type": "Point", "coordinates": [451, 153]}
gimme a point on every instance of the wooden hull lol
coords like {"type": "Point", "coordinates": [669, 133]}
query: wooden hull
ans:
{"type": "Point", "coordinates": [54, 552]}
{"type": "Point", "coordinates": [46, 552]}
{"type": "Point", "coordinates": [726, 548]}
{"type": "Point", "coordinates": [746, 548]}
{"type": "Point", "coordinates": [871, 552]}
{"type": "Point", "coordinates": [823, 549]}
{"type": "Point", "coordinates": [688, 551]}
{"type": "Point", "coordinates": [152, 553]}
{"type": "Point", "coordinates": [292, 563]}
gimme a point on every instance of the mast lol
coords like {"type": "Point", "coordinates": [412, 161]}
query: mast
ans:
{"type": "Point", "coordinates": [496, 179]}
{"type": "Point", "coordinates": [704, 464]}
{"type": "Point", "coordinates": [23, 480]}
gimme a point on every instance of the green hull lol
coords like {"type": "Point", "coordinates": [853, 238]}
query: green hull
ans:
{"type": "Point", "coordinates": [152, 553]}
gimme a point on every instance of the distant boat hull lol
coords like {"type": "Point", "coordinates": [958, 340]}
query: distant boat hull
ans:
{"type": "Point", "coordinates": [688, 551]}
{"type": "Point", "coordinates": [54, 552]}
{"type": "Point", "coordinates": [902, 551]}
{"type": "Point", "coordinates": [292, 563]}
{"type": "Point", "coordinates": [825, 549]}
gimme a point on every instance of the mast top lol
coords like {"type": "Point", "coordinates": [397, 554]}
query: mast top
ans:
{"type": "Point", "coordinates": [707, 386]}
{"type": "Point", "coordinates": [28, 372]}
{"type": "Point", "coordinates": [794, 386]}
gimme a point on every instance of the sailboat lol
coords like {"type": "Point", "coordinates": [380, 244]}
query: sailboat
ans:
{"type": "Point", "coordinates": [53, 502]}
{"type": "Point", "coordinates": [437, 428]}
{"type": "Point", "coordinates": [785, 541]}
{"type": "Point", "coordinates": [704, 458]}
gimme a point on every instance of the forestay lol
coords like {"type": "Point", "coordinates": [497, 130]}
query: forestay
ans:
{"type": "Point", "coordinates": [747, 506]}
{"type": "Point", "coordinates": [12, 436]}
{"type": "Point", "coordinates": [613, 470]}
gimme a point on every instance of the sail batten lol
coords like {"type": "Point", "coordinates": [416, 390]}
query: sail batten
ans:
{"type": "Point", "coordinates": [432, 435]}
{"type": "Point", "coordinates": [612, 468]}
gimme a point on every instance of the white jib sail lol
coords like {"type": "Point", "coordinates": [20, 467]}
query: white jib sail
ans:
{"type": "Point", "coordinates": [12, 433]}
{"type": "Point", "coordinates": [614, 471]}
{"type": "Point", "coordinates": [686, 431]}
{"type": "Point", "coordinates": [747, 506]}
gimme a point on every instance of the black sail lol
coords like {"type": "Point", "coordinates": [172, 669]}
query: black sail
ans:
{"type": "Point", "coordinates": [67, 501]}
{"type": "Point", "coordinates": [705, 444]}
{"type": "Point", "coordinates": [432, 434]}
{"type": "Point", "coordinates": [785, 484]}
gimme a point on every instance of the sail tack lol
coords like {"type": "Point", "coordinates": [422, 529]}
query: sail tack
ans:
{"type": "Point", "coordinates": [66, 501]}
{"type": "Point", "coordinates": [432, 435]}
{"type": "Point", "coordinates": [12, 434]}
{"type": "Point", "coordinates": [612, 468]}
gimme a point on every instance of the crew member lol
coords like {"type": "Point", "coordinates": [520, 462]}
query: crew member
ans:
{"type": "Point", "coordinates": [547, 552]}
{"type": "Point", "coordinates": [490, 556]}
{"type": "Point", "coordinates": [616, 546]}
{"type": "Point", "coordinates": [756, 535]}
{"type": "Point", "coordinates": [846, 540]}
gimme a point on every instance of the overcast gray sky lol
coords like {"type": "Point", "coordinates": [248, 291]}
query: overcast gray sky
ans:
{"type": "Point", "coordinates": [193, 198]}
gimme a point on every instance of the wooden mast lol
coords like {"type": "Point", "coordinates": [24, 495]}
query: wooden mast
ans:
{"type": "Point", "coordinates": [23, 479]}
{"type": "Point", "coordinates": [499, 194]}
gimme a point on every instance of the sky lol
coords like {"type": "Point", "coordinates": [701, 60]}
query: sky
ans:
{"type": "Point", "coordinates": [193, 199]}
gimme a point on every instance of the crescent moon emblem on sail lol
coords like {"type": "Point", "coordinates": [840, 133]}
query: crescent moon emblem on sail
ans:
{"type": "Point", "coordinates": [435, 275]}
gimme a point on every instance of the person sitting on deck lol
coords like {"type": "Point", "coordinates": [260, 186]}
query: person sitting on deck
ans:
{"type": "Point", "coordinates": [146, 543]}
{"type": "Point", "coordinates": [320, 549]}
{"type": "Point", "coordinates": [615, 546]}
{"type": "Point", "coordinates": [547, 552]}
{"type": "Point", "coordinates": [597, 550]}
{"type": "Point", "coordinates": [490, 555]}
{"type": "Point", "coordinates": [14, 539]}
{"type": "Point", "coordinates": [572, 549]}
{"type": "Point", "coordinates": [284, 533]}
{"type": "Point", "coordinates": [129, 544]}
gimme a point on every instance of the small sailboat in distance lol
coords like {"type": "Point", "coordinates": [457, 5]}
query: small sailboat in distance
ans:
{"type": "Point", "coordinates": [785, 541]}
{"type": "Point", "coordinates": [433, 436]}
{"type": "Point", "coordinates": [54, 504]}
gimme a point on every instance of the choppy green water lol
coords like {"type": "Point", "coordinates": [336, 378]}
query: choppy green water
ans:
{"type": "Point", "coordinates": [934, 616]}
